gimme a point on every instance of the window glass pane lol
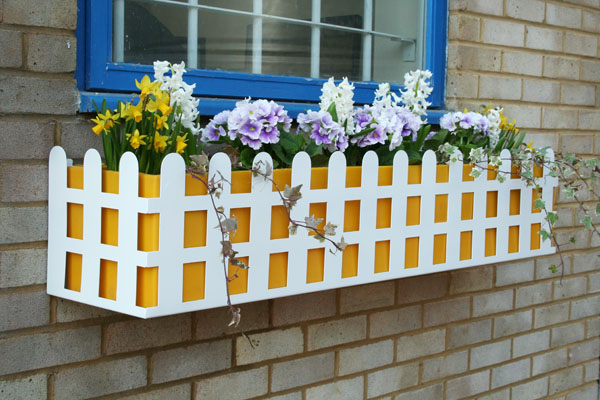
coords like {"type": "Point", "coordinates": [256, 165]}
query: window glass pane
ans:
{"type": "Point", "coordinates": [297, 9]}
{"type": "Point", "coordinates": [285, 48]}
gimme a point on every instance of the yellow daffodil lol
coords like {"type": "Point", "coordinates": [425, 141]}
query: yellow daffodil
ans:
{"type": "Point", "coordinates": [147, 86]}
{"type": "Point", "coordinates": [135, 139]}
{"type": "Point", "coordinates": [130, 111]}
{"type": "Point", "coordinates": [161, 103]}
{"type": "Point", "coordinates": [104, 121]}
{"type": "Point", "coordinates": [160, 122]}
{"type": "Point", "coordinates": [160, 142]}
{"type": "Point", "coordinates": [530, 145]}
{"type": "Point", "coordinates": [181, 144]}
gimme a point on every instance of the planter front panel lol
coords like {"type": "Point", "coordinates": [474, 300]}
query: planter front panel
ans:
{"type": "Point", "coordinates": [147, 245]}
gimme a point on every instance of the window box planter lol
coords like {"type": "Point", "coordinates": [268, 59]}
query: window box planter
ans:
{"type": "Point", "coordinates": [145, 245]}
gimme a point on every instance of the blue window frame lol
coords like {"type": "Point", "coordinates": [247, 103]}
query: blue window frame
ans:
{"type": "Point", "coordinates": [98, 77]}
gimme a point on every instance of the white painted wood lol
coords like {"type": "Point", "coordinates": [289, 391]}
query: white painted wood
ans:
{"type": "Point", "coordinates": [172, 204]}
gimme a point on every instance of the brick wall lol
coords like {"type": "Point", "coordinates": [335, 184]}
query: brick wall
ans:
{"type": "Point", "coordinates": [509, 331]}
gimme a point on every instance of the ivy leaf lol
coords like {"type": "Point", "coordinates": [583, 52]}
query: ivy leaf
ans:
{"type": "Point", "coordinates": [236, 317]}
{"type": "Point", "coordinates": [228, 225]}
{"type": "Point", "coordinates": [329, 229]}
{"type": "Point", "coordinates": [293, 228]}
{"type": "Point", "coordinates": [539, 204]}
{"type": "Point", "coordinates": [342, 244]}
{"type": "Point", "coordinates": [587, 222]}
{"type": "Point", "coordinates": [553, 268]}
{"type": "Point", "coordinates": [545, 235]}
{"type": "Point", "coordinates": [552, 217]}
{"type": "Point", "coordinates": [292, 194]}
{"type": "Point", "coordinates": [238, 263]}
{"type": "Point", "coordinates": [312, 222]}
{"type": "Point", "coordinates": [572, 240]}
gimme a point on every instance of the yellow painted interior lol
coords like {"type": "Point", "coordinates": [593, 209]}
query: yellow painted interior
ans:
{"type": "Point", "coordinates": [515, 202]}
{"type": "Point", "coordinates": [411, 252]}
{"type": "Point", "coordinates": [194, 229]}
{"type": "Point", "coordinates": [279, 223]}
{"type": "Point", "coordinates": [535, 236]}
{"type": "Point", "coordinates": [385, 175]}
{"type": "Point", "coordinates": [238, 277]}
{"type": "Point", "coordinates": [466, 171]}
{"type": "Point", "coordinates": [318, 178]}
{"type": "Point", "coordinates": [535, 194]}
{"type": "Point", "coordinates": [490, 242]}
{"type": "Point", "coordinates": [110, 227]}
{"type": "Point", "coordinates": [352, 216]}
{"type": "Point", "coordinates": [75, 220]}
{"type": "Point", "coordinates": [278, 270]}
{"type": "Point", "coordinates": [384, 213]}
{"type": "Point", "coordinates": [353, 176]}
{"type": "Point", "coordinates": [491, 206]}
{"type": "Point", "coordinates": [382, 256]}
{"type": "Point", "coordinates": [194, 278]}
{"type": "Point", "coordinates": [350, 261]}
{"type": "Point", "coordinates": [441, 208]}
{"type": "Point", "coordinates": [413, 210]}
{"type": "Point", "coordinates": [318, 210]}
{"type": "Point", "coordinates": [513, 239]}
{"type": "Point", "coordinates": [466, 245]}
{"type": "Point", "coordinates": [147, 287]}
{"type": "Point", "coordinates": [439, 248]}
{"type": "Point", "coordinates": [108, 279]}
{"type": "Point", "coordinates": [467, 206]}
{"type": "Point", "coordinates": [73, 272]}
{"type": "Point", "coordinates": [242, 234]}
{"type": "Point", "coordinates": [316, 265]}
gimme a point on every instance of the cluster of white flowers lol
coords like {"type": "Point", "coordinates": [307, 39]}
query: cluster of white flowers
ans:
{"type": "Point", "coordinates": [493, 115]}
{"type": "Point", "coordinates": [343, 97]}
{"type": "Point", "coordinates": [418, 88]}
{"type": "Point", "coordinates": [180, 93]}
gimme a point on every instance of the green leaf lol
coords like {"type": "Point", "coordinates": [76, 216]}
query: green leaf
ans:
{"type": "Point", "coordinates": [284, 159]}
{"type": "Point", "coordinates": [552, 268]}
{"type": "Point", "coordinates": [545, 235]}
{"type": "Point", "coordinates": [246, 157]}
{"type": "Point", "coordinates": [587, 222]}
{"type": "Point", "coordinates": [312, 149]}
{"type": "Point", "coordinates": [331, 110]}
{"type": "Point", "coordinates": [539, 204]}
{"type": "Point", "coordinates": [598, 209]}
{"type": "Point", "coordinates": [289, 144]}
{"type": "Point", "coordinates": [552, 217]}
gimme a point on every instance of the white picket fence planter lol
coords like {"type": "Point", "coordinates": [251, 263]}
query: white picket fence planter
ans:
{"type": "Point", "coordinates": [172, 204]}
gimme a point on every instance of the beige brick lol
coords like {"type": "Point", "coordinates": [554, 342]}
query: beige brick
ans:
{"type": "Point", "coordinates": [23, 224]}
{"type": "Point", "coordinates": [590, 392]}
{"type": "Point", "coordinates": [589, 3]}
{"type": "Point", "coordinates": [491, 303]}
{"type": "Point", "coordinates": [559, 119]}
{"type": "Point", "coordinates": [442, 312]}
{"type": "Point", "coordinates": [594, 280]}
{"type": "Point", "coordinates": [302, 371]}
{"type": "Point", "coordinates": [463, 57]}
{"type": "Point", "coordinates": [77, 138]}
{"type": "Point", "coordinates": [29, 388]}
{"type": "Point", "coordinates": [421, 288]}
{"type": "Point", "coordinates": [522, 63]}
{"type": "Point", "coordinates": [30, 352]}
{"type": "Point", "coordinates": [433, 392]}
{"type": "Point", "coordinates": [551, 361]}
{"type": "Point", "coordinates": [348, 389]}
{"type": "Point", "coordinates": [179, 392]}
{"type": "Point", "coordinates": [333, 333]}
{"type": "Point", "coordinates": [68, 311]}
{"type": "Point", "coordinates": [490, 354]}
{"type": "Point", "coordinates": [512, 323]}
{"type": "Point", "coordinates": [526, 116]}
{"type": "Point", "coordinates": [464, 27]}
{"type": "Point", "coordinates": [565, 216]}
{"type": "Point", "coordinates": [469, 385]}
{"type": "Point", "coordinates": [503, 33]}
{"type": "Point", "coordinates": [26, 139]}
{"type": "Point", "coordinates": [137, 334]}
{"type": "Point", "coordinates": [572, 287]}
{"type": "Point", "coordinates": [543, 38]}
{"type": "Point", "coordinates": [22, 267]}
{"type": "Point", "coordinates": [392, 379]}
{"type": "Point", "coordinates": [542, 91]}
{"type": "Point", "coordinates": [591, 371]}
{"type": "Point", "coordinates": [447, 365]}
{"type": "Point", "coordinates": [591, 21]}
{"type": "Point", "coordinates": [289, 310]}
{"type": "Point", "coordinates": [533, 294]}
{"type": "Point", "coordinates": [478, 6]}
{"type": "Point", "coordinates": [531, 390]}
{"type": "Point", "coordinates": [593, 327]}
{"type": "Point", "coordinates": [394, 321]}
{"type": "Point", "coordinates": [23, 182]}
{"type": "Point", "coordinates": [462, 85]}
{"type": "Point", "coordinates": [567, 334]}
{"type": "Point", "coordinates": [51, 53]}
{"type": "Point", "coordinates": [589, 119]}
{"type": "Point", "coordinates": [566, 379]}
{"type": "Point", "coordinates": [366, 357]}
{"type": "Point", "coordinates": [366, 297]}
{"type": "Point", "coordinates": [22, 94]}
{"type": "Point", "coordinates": [550, 315]}
{"type": "Point", "coordinates": [288, 396]}
{"type": "Point", "coordinates": [584, 351]}
{"type": "Point", "coordinates": [580, 238]}
{"type": "Point", "coordinates": [55, 14]}
{"type": "Point", "coordinates": [471, 279]}
{"type": "Point", "coordinates": [24, 310]}
{"type": "Point", "coordinates": [510, 373]}
{"type": "Point", "coordinates": [531, 343]}
{"type": "Point", "coordinates": [585, 307]}
{"type": "Point", "coordinates": [530, 10]}
{"type": "Point", "coordinates": [422, 344]}
{"type": "Point", "coordinates": [100, 379]}
{"type": "Point", "coordinates": [569, 17]}
{"type": "Point", "coordinates": [585, 45]}
{"type": "Point", "coordinates": [269, 345]}
{"type": "Point", "coordinates": [561, 67]}
{"type": "Point", "coordinates": [469, 333]}
{"type": "Point", "coordinates": [515, 272]}
{"type": "Point", "coordinates": [234, 386]}
{"type": "Point", "coordinates": [542, 139]}
{"type": "Point", "coordinates": [11, 48]}
{"type": "Point", "coordinates": [579, 95]}
{"type": "Point", "coordinates": [215, 323]}
{"type": "Point", "coordinates": [495, 87]}
{"type": "Point", "coordinates": [183, 362]}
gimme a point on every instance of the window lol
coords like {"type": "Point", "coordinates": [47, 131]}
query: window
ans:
{"type": "Point", "coordinates": [275, 49]}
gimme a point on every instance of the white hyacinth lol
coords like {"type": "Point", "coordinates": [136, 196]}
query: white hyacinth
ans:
{"type": "Point", "coordinates": [180, 93]}
{"type": "Point", "coordinates": [342, 95]}
{"type": "Point", "coordinates": [418, 88]}
{"type": "Point", "coordinates": [493, 115]}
